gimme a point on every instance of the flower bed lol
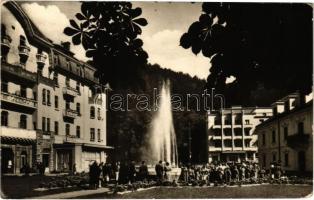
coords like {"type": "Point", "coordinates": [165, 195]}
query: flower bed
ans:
{"type": "Point", "coordinates": [80, 180]}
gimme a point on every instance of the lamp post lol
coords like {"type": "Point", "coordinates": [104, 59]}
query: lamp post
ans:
{"type": "Point", "coordinates": [190, 146]}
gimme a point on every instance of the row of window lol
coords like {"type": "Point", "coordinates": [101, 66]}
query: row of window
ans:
{"type": "Point", "coordinates": [285, 133]}
{"type": "Point", "coordinates": [228, 143]}
{"type": "Point", "coordinates": [46, 126]}
{"type": "Point", "coordinates": [22, 92]}
{"type": "Point", "coordinates": [228, 121]}
{"type": "Point", "coordinates": [5, 120]}
{"type": "Point", "coordinates": [78, 107]}
{"type": "Point", "coordinates": [67, 81]}
{"type": "Point", "coordinates": [78, 132]}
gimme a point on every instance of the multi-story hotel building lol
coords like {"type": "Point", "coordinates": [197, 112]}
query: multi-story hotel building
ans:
{"type": "Point", "coordinates": [287, 137]}
{"type": "Point", "coordinates": [53, 109]}
{"type": "Point", "coordinates": [231, 133]}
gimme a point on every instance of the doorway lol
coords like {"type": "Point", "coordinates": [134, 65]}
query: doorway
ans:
{"type": "Point", "coordinates": [301, 161]}
{"type": "Point", "coordinates": [7, 161]}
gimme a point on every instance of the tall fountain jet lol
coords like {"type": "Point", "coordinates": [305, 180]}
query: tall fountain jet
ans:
{"type": "Point", "coordinates": [162, 135]}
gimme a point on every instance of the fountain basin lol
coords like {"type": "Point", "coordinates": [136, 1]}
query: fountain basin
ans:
{"type": "Point", "coordinates": [174, 174]}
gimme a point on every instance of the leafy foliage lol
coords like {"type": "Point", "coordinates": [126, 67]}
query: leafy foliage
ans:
{"type": "Point", "coordinates": [108, 32]}
{"type": "Point", "coordinates": [262, 45]}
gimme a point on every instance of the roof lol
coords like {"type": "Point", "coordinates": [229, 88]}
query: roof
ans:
{"type": "Point", "coordinates": [34, 35]}
{"type": "Point", "coordinates": [284, 114]}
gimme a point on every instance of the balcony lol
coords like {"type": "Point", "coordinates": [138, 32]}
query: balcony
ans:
{"type": "Point", "coordinates": [41, 58]}
{"type": "Point", "coordinates": [216, 137]}
{"type": "Point", "coordinates": [93, 100]}
{"type": "Point", "coordinates": [24, 54]}
{"type": "Point", "coordinates": [18, 73]}
{"type": "Point", "coordinates": [70, 91]}
{"type": "Point", "coordinates": [5, 46]}
{"type": "Point", "coordinates": [72, 139]}
{"type": "Point", "coordinates": [15, 99]}
{"type": "Point", "coordinates": [70, 113]}
{"type": "Point", "coordinates": [298, 141]}
{"type": "Point", "coordinates": [227, 137]}
{"type": "Point", "coordinates": [251, 148]}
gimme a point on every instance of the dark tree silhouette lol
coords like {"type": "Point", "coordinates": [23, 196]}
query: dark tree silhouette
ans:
{"type": "Point", "coordinates": [108, 32]}
{"type": "Point", "coordinates": [263, 45]}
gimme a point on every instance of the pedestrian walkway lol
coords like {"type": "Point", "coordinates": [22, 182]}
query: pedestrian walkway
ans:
{"type": "Point", "coordinates": [70, 195]}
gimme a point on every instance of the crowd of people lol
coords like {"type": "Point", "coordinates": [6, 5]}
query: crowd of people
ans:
{"type": "Point", "coordinates": [217, 172]}
{"type": "Point", "coordinates": [123, 173]}
{"type": "Point", "coordinates": [225, 173]}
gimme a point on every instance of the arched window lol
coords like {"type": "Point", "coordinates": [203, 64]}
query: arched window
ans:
{"type": "Point", "coordinates": [4, 118]}
{"type": "Point", "coordinates": [23, 121]}
{"type": "Point", "coordinates": [44, 96]}
{"type": "Point", "coordinates": [92, 112]}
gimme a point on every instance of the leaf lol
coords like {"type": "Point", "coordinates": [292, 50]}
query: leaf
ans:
{"type": "Point", "coordinates": [76, 39]}
{"type": "Point", "coordinates": [196, 47]}
{"type": "Point", "coordinates": [85, 9]}
{"type": "Point", "coordinates": [85, 24]}
{"type": "Point", "coordinates": [137, 43]}
{"type": "Point", "coordinates": [79, 16]}
{"type": "Point", "coordinates": [135, 12]}
{"type": "Point", "coordinates": [141, 21]}
{"type": "Point", "coordinates": [194, 28]}
{"type": "Point", "coordinates": [74, 24]}
{"type": "Point", "coordinates": [207, 51]}
{"type": "Point", "coordinates": [206, 20]}
{"type": "Point", "coordinates": [185, 40]}
{"type": "Point", "coordinates": [70, 31]}
{"type": "Point", "coordinates": [90, 53]}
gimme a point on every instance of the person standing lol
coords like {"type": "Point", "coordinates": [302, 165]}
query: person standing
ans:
{"type": "Point", "coordinates": [132, 172]}
{"type": "Point", "coordinates": [159, 171]}
{"type": "Point", "coordinates": [167, 169]}
{"type": "Point", "coordinates": [227, 173]}
{"type": "Point", "coordinates": [116, 169]}
{"type": "Point", "coordinates": [74, 169]}
{"type": "Point", "coordinates": [143, 172]}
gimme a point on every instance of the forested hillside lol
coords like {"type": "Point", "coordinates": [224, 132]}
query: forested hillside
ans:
{"type": "Point", "coordinates": [130, 128]}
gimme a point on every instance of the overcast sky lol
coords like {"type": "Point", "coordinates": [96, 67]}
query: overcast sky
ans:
{"type": "Point", "coordinates": [166, 23]}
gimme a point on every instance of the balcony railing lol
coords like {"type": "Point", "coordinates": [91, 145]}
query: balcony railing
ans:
{"type": "Point", "coordinates": [41, 58]}
{"type": "Point", "coordinates": [298, 141]}
{"type": "Point", "coordinates": [19, 72]}
{"type": "Point", "coordinates": [12, 98]}
{"type": "Point", "coordinates": [70, 91]}
{"type": "Point", "coordinates": [70, 113]}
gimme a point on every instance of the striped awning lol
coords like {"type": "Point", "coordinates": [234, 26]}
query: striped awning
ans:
{"type": "Point", "coordinates": [16, 140]}
{"type": "Point", "coordinates": [16, 135]}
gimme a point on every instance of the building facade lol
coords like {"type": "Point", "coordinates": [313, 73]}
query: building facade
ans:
{"type": "Point", "coordinates": [231, 133]}
{"type": "Point", "coordinates": [287, 137]}
{"type": "Point", "coordinates": [53, 109]}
